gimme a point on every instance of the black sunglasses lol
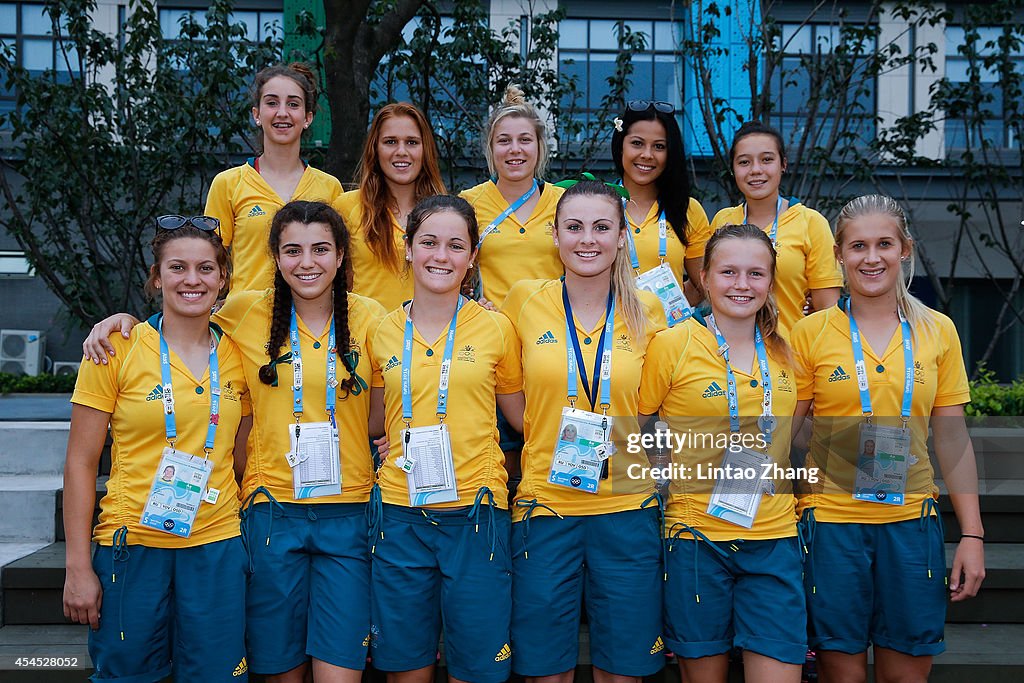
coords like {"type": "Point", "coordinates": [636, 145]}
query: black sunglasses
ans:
{"type": "Point", "coordinates": [644, 105]}
{"type": "Point", "coordinates": [173, 222]}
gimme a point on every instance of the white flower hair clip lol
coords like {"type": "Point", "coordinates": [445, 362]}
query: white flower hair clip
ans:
{"type": "Point", "coordinates": [618, 124]}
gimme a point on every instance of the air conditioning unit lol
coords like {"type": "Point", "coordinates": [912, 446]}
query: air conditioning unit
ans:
{"type": "Point", "coordinates": [22, 351]}
{"type": "Point", "coordinates": [65, 368]}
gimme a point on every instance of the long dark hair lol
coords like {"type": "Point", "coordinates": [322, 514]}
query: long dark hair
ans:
{"type": "Point", "coordinates": [674, 182]}
{"type": "Point", "coordinates": [280, 319]}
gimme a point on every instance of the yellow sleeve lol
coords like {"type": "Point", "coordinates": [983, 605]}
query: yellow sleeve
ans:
{"type": "Point", "coordinates": [236, 308]}
{"type": "Point", "coordinates": [659, 366]}
{"type": "Point", "coordinates": [513, 303]}
{"type": "Point", "coordinates": [801, 343]}
{"type": "Point", "coordinates": [952, 388]}
{"type": "Point", "coordinates": [821, 267]}
{"type": "Point", "coordinates": [698, 230]}
{"type": "Point", "coordinates": [376, 375]}
{"type": "Point", "coordinates": [97, 385]}
{"type": "Point", "coordinates": [219, 205]}
{"type": "Point", "coordinates": [509, 372]}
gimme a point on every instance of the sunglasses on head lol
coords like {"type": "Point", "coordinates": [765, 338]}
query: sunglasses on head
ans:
{"type": "Point", "coordinates": [644, 105]}
{"type": "Point", "coordinates": [173, 222]}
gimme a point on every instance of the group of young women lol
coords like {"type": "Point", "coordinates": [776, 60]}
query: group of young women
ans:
{"type": "Point", "coordinates": [589, 314]}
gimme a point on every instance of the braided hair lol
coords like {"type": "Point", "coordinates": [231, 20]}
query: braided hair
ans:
{"type": "Point", "coordinates": [280, 319]}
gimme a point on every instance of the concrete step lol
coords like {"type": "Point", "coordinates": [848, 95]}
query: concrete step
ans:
{"type": "Point", "coordinates": [34, 448]}
{"type": "Point", "coordinates": [101, 490]}
{"type": "Point", "coordinates": [1002, 511]}
{"type": "Point", "coordinates": [28, 502]}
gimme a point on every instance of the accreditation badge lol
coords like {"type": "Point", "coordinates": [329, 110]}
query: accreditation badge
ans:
{"type": "Point", "coordinates": [883, 456]}
{"type": "Point", "coordinates": [315, 460]}
{"type": "Point", "coordinates": [661, 281]}
{"type": "Point", "coordinates": [428, 465]}
{"type": "Point", "coordinates": [582, 447]}
{"type": "Point", "coordinates": [739, 486]}
{"type": "Point", "coordinates": [177, 492]}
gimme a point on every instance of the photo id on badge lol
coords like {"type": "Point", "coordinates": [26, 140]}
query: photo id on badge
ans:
{"type": "Point", "coordinates": [582, 447]}
{"type": "Point", "coordinates": [177, 492]}
{"type": "Point", "coordinates": [883, 456]}
{"type": "Point", "coordinates": [661, 282]}
{"type": "Point", "coordinates": [428, 465]}
{"type": "Point", "coordinates": [739, 486]}
{"type": "Point", "coordinates": [314, 459]}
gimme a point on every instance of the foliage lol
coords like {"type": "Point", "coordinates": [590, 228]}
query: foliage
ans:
{"type": "Point", "coordinates": [988, 397]}
{"type": "Point", "coordinates": [38, 384]}
{"type": "Point", "coordinates": [134, 127]}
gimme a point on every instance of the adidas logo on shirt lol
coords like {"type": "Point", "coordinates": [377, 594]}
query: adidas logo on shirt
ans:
{"type": "Point", "coordinates": [838, 375]}
{"type": "Point", "coordinates": [157, 394]}
{"type": "Point", "coordinates": [393, 362]}
{"type": "Point", "coordinates": [714, 389]}
{"type": "Point", "coordinates": [504, 653]}
{"type": "Point", "coordinates": [547, 338]}
{"type": "Point", "coordinates": [256, 211]}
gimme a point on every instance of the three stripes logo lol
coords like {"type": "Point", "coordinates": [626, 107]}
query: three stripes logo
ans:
{"type": "Point", "coordinates": [838, 375]}
{"type": "Point", "coordinates": [256, 211]}
{"type": "Point", "coordinates": [714, 389]}
{"type": "Point", "coordinates": [393, 362]}
{"type": "Point", "coordinates": [240, 670]}
{"type": "Point", "coordinates": [547, 338]}
{"type": "Point", "coordinates": [658, 646]}
{"type": "Point", "coordinates": [157, 394]}
{"type": "Point", "coordinates": [503, 654]}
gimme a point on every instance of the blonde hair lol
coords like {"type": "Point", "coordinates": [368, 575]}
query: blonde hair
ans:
{"type": "Point", "coordinates": [514, 105]}
{"type": "Point", "coordinates": [767, 318]}
{"type": "Point", "coordinates": [916, 313]}
{"type": "Point", "coordinates": [623, 278]}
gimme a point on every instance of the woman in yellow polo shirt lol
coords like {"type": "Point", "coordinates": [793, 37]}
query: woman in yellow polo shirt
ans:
{"type": "Point", "coordinates": [515, 208]}
{"type": "Point", "coordinates": [398, 168]}
{"type": "Point", "coordinates": [802, 237]}
{"type": "Point", "coordinates": [666, 224]}
{"type": "Point", "coordinates": [168, 545]}
{"type": "Point", "coordinates": [582, 527]}
{"type": "Point", "coordinates": [734, 564]}
{"type": "Point", "coordinates": [245, 198]}
{"type": "Point", "coordinates": [440, 525]}
{"type": "Point", "coordinates": [881, 368]}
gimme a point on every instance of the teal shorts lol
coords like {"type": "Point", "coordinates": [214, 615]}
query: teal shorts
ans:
{"type": "Point", "coordinates": [443, 568]}
{"type": "Point", "coordinates": [612, 564]}
{"type": "Point", "coordinates": [876, 583]}
{"type": "Point", "coordinates": [746, 594]}
{"type": "Point", "coordinates": [170, 611]}
{"type": "Point", "coordinates": [309, 586]}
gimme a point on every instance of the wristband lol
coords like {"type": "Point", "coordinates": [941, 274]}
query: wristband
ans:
{"type": "Point", "coordinates": [980, 538]}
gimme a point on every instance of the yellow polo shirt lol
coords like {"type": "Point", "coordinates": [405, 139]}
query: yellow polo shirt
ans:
{"type": "Point", "coordinates": [246, 317]}
{"type": "Point", "coordinates": [485, 362]}
{"type": "Point", "coordinates": [684, 380]}
{"type": "Point", "coordinates": [245, 205]}
{"type": "Point", "coordinates": [130, 388]}
{"type": "Point", "coordinates": [806, 259]}
{"type": "Point", "coordinates": [388, 284]}
{"type": "Point", "coordinates": [535, 309]}
{"type": "Point", "coordinates": [826, 375]}
{"type": "Point", "coordinates": [515, 251]}
{"type": "Point", "coordinates": [645, 237]}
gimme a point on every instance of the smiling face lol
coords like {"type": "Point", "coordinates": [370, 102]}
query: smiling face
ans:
{"type": "Point", "coordinates": [440, 252]}
{"type": "Point", "coordinates": [871, 252]}
{"type": "Point", "coordinates": [589, 234]}
{"type": "Point", "coordinates": [738, 279]}
{"type": "Point", "coordinates": [644, 152]}
{"type": "Point", "coordinates": [758, 165]}
{"type": "Point", "coordinates": [400, 150]}
{"type": "Point", "coordinates": [514, 148]}
{"type": "Point", "coordinates": [282, 111]}
{"type": "Point", "coordinates": [308, 259]}
{"type": "Point", "coordinates": [188, 277]}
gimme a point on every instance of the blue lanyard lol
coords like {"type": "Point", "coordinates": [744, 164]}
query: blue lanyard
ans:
{"type": "Point", "coordinates": [767, 422]}
{"type": "Point", "coordinates": [170, 424]}
{"type": "Point", "coordinates": [602, 361]}
{"type": "Point", "coordinates": [862, 373]}
{"type": "Point", "coordinates": [512, 208]}
{"type": "Point", "coordinates": [332, 377]}
{"type": "Point", "coordinates": [446, 365]}
{"type": "Point", "coordinates": [634, 258]}
{"type": "Point", "coordinates": [774, 232]}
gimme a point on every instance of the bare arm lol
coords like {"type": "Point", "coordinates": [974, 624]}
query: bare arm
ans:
{"type": "Point", "coordinates": [955, 453]}
{"type": "Point", "coordinates": [376, 425]}
{"type": "Point", "coordinates": [240, 454]}
{"type": "Point", "coordinates": [96, 346]}
{"type": "Point", "coordinates": [512, 406]}
{"type": "Point", "coordinates": [82, 593]}
{"type": "Point", "coordinates": [692, 288]}
{"type": "Point", "coordinates": [823, 298]}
